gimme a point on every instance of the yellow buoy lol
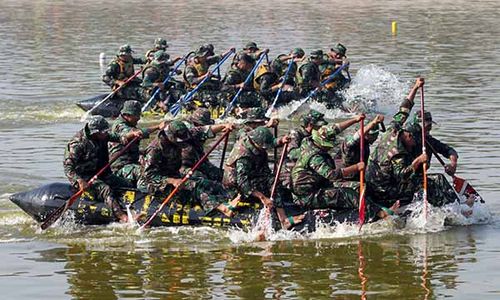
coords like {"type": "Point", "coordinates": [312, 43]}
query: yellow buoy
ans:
{"type": "Point", "coordinates": [394, 27]}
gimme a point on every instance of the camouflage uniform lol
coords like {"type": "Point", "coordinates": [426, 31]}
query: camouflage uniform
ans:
{"type": "Point", "coordinates": [198, 124]}
{"type": "Point", "coordinates": [309, 74]}
{"type": "Point", "coordinates": [127, 165]}
{"type": "Point", "coordinates": [163, 160]}
{"type": "Point", "coordinates": [296, 137]}
{"type": "Point", "coordinates": [315, 177]}
{"type": "Point", "coordinates": [84, 157]}
{"type": "Point", "coordinates": [248, 97]}
{"type": "Point", "coordinates": [122, 68]}
{"type": "Point", "coordinates": [208, 94]}
{"type": "Point", "coordinates": [328, 95]}
{"type": "Point", "coordinates": [390, 175]}
{"type": "Point", "coordinates": [254, 117]}
{"type": "Point", "coordinates": [247, 168]}
{"type": "Point", "coordinates": [156, 72]}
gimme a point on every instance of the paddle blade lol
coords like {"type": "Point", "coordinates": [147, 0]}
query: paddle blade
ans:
{"type": "Point", "coordinates": [462, 187]}
{"type": "Point", "coordinates": [53, 217]}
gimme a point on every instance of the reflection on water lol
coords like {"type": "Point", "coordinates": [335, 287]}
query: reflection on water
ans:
{"type": "Point", "coordinates": [50, 53]}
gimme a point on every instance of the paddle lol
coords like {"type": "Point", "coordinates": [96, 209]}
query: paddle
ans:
{"type": "Point", "coordinates": [86, 115]}
{"type": "Point", "coordinates": [184, 179]}
{"type": "Point", "coordinates": [170, 74]}
{"type": "Point", "coordinates": [424, 165]}
{"type": "Point", "coordinates": [316, 90]}
{"type": "Point", "coordinates": [231, 104]}
{"type": "Point", "coordinates": [362, 202]}
{"type": "Point", "coordinates": [56, 214]}
{"type": "Point", "coordinates": [223, 156]}
{"type": "Point", "coordinates": [460, 185]}
{"type": "Point", "coordinates": [271, 108]}
{"type": "Point", "coordinates": [176, 107]}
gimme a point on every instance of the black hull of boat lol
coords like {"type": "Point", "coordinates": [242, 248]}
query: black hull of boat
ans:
{"type": "Point", "coordinates": [108, 109]}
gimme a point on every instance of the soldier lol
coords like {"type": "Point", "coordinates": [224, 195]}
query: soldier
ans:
{"type": "Point", "coordinates": [87, 153]}
{"type": "Point", "coordinates": [235, 79]}
{"type": "Point", "coordinates": [153, 76]}
{"type": "Point", "coordinates": [280, 64]}
{"type": "Point", "coordinates": [349, 151]}
{"type": "Point", "coordinates": [159, 44]}
{"type": "Point", "coordinates": [315, 177]}
{"type": "Point", "coordinates": [202, 128]}
{"type": "Point", "coordinates": [251, 49]}
{"type": "Point", "coordinates": [337, 55]}
{"type": "Point", "coordinates": [309, 74]}
{"type": "Point", "coordinates": [121, 69]}
{"type": "Point", "coordinates": [394, 168]}
{"type": "Point", "coordinates": [197, 70]}
{"type": "Point", "coordinates": [127, 165]}
{"type": "Point", "coordinates": [312, 120]}
{"type": "Point", "coordinates": [247, 170]}
{"type": "Point", "coordinates": [161, 164]}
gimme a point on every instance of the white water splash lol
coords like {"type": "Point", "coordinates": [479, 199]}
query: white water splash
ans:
{"type": "Point", "coordinates": [375, 89]}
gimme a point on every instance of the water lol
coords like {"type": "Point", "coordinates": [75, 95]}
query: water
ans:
{"type": "Point", "coordinates": [51, 59]}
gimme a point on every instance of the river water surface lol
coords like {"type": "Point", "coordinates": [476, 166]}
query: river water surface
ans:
{"type": "Point", "coordinates": [49, 60]}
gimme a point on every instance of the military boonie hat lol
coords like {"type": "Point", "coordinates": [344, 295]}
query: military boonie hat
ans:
{"type": "Point", "coordinates": [251, 46]}
{"type": "Point", "coordinates": [340, 49]}
{"type": "Point", "coordinates": [177, 132]}
{"type": "Point", "coordinates": [314, 117]}
{"type": "Point", "coordinates": [125, 49]}
{"type": "Point", "coordinates": [324, 137]}
{"type": "Point", "coordinates": [132, 107]}
{"type": "Point", "coordinates": [262, 137]}
{"type": "Point", "coordinates": [316, 54]}
{"type": "Point", "coordinates": [202, 51]}
{"type": "Point", "coordinates": [97, 124]}
{"type": "Point", "coordinates": [255, 115]}
{"type": "Point", "coordinates": [161, 43]}
{"type": "Point", "coordinates": [210, 48]}
{"type": "Point", "coordinates": [201, 117]}
{"type": "Point", "coordinates": [427, 117]}
{"type": "Point", "coordinates": [161, 55]}
{"type": "Point", "coordinates": [298, 52]}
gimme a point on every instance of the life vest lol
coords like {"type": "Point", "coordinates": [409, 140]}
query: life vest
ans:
{"type": "Point", "coordinates": [201, 69]}
{"type": "Point", "coordinates": [327, 69]}
{"type": "Point", "coordinates": [262, 70]}
{"type": "Point", "coordinates": [126, 69]}
{"type": "Point", "coordinates": [300, 77]}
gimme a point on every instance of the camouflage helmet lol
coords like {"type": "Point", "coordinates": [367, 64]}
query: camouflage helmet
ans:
{"type": "Point", "coordinates": [255, 115]}
{"type": "Point", "coordinates": [201, 117]}
{"type": "Point", "coordinates": [251, 46]}
{"type": "Point", "coordinates": [413, 128]}
{"type": "Point", "coordinates": [313, 117]}
{"type": "Point", "coordinates": [177, 132]}
{"type": "Point", "coordinates": [161, 43]}
{"type": "Point", "coordinates": [298, 52]}
{"type": "Point", "coordinates": [340, 49]}
{"type": "Point", "coordinates": [125, 50]}
{"type": "Point", "coordinates": [161, 55]}
{"type": "Point", "coordinates": [132, 107]}
{"type": "Point", "coordinates": [97, 124]}
{"type": "Point", "coordinates": [324, 137]}
{"type": "Point", "coordinates": [316, 54]}
{"type": "Point", "coordinates": [262, 137]}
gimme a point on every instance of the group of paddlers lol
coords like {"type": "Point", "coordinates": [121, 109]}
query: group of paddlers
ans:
{"type": "Point", "coordinates": [253, 80]}
{"type": "Point", "coordinates": [316, 172]}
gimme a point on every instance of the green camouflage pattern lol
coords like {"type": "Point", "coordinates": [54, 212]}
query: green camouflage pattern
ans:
{"type": "Point", "coordinates": [313, 117]}
{"type": "Point", "coordinates": [313, 181]}
{"type": "Point", "coordinates": [247, 169]}
{"type": "Point", "coordinates": [97, 124]}
{"type": "Point", "coordinates": [248, 97]}
{"type": "Point", "coordinates": [132, 107]}
{"type": "Point", "coordinates": [262, 137]}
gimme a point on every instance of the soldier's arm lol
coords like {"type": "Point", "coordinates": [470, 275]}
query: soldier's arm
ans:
{"type": "Point", "coordinates": [267, 87]}
{"type": "Point", "coordinates": [339, 127]}
{"type": "Point", "coordinates": [139, 61]}
{"type": "Point", "coordinates": [405, 108]}
{"type": "Point", "coordinates": [150, 76]}
{"type": "Point", "coordinates": [212, 60]}
{"type": "Point", "coordinates": [243, 177]}
{"type": "Point", "coordinates": [72, 156]}
{"type": "Point", "coordinates": [294, 145]}
{"type": "Point", "coordinates": [108, 77]}
{"type": "Point", "coordinates": [447, 151]}
{"type": "Point", "coordinates": [325, 170]}
{"type": "Point", "coordinates": [232, 82]}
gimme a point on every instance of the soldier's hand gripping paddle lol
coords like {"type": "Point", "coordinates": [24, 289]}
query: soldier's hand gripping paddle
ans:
{"type": "Point", "coordinates": [86, 115]}
{"type": "Point", "coordinates": [56, 214]}
{"type": "Point", "coordinates": [184, 179]}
